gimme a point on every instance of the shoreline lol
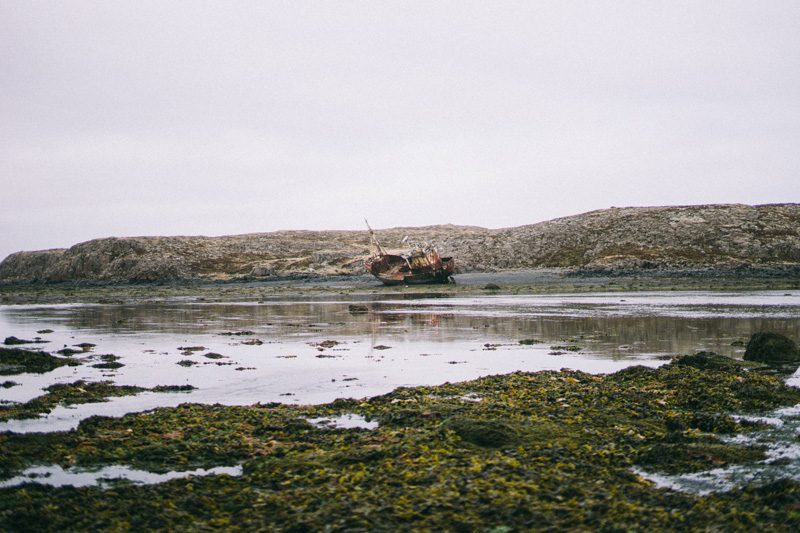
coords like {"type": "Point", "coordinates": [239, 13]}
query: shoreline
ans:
{"type": "Point", "coordinates": [525, 281]}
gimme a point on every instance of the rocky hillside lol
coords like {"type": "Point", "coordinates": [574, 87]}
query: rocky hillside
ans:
{"type": "Point", "coordinates": [765, 237]}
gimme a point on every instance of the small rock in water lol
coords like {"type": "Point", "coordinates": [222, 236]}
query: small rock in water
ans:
{"type": "Point", "coordinates": [11, 341]}
{"type": "Point", "coordinates": [67, 352]}
{"type": "Point", "coordinates": [108, 366]}
{"type": "Point", "coordinates": [85, 346]}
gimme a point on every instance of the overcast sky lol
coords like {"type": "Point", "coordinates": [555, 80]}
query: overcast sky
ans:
{"type": "Point", "coordinates": [211, 118]}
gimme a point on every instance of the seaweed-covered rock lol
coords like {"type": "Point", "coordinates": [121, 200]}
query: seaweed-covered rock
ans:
{"type": "Point", "coordinates": [18, 361]}
{"type": "Point", "coordinates": [769, 347]}
{"type": "Point", "coordinates": [709, 361]}
{"type": "Point", "coordinates": [486, 433]}
{"type": "Point", "coordinates": [683, 457]}
{"type": "Point", "coordinates": [635, 372]}
{"type": "Point", "coordinates": [10, 341]}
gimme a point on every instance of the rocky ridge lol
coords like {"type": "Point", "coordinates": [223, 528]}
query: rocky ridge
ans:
{"type": "Point", "coordinates": [709, 237]}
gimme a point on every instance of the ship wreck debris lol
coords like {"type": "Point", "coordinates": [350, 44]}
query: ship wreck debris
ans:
{"type": "Point", "coordinates": [419, 263]}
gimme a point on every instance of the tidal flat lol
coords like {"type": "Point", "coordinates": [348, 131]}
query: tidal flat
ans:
{"type": "Point", "coordinates": [574, 411]}
{"type": "Point", "coordinates": [521, 452]}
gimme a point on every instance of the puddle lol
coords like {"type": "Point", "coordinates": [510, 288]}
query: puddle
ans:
{"type": "Point", "coordinates": [347, 421]}
{"type": "Point", "coordinates": [107, 477]}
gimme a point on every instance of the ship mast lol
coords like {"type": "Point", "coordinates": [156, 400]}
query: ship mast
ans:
{"type": "Point", "coordinates": [374, 243]}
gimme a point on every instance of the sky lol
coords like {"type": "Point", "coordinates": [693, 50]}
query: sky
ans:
{"type": "Point", "coordinates": [132, 118]}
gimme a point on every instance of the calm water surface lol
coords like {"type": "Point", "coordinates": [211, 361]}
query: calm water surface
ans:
{"type": "Point", "coordinates": [317, 350]}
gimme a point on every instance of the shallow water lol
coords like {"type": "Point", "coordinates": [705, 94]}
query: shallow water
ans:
{"type": "Point", "coordinates": [346, 421]}
{"type": "Point", "coordinates": [386, 342]}
{"type": "Point", "coordinates": [106, 477]}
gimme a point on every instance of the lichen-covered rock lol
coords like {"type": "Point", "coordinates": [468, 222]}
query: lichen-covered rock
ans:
{"type": "Point", "coordinates": [264, 270]}
{"type": "Point", "coordinates": [774, 348]}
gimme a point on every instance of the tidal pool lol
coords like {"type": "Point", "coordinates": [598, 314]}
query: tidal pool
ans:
{"type": "Point", "coordinates": [314, 350]}
{"type": "Point", "coordinates": [106, 477]}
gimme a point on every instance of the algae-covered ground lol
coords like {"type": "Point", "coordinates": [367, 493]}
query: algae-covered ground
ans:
{"type": "Point", "coordinates": [546, 451]}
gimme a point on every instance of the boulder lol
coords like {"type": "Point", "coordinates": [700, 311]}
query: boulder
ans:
{"type": "Point", "coordinates": [774, 348]}
{"type": "Point", "coordinates": [710, 361]}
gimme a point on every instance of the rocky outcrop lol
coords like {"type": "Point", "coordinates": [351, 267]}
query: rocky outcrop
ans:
{"type": "Point", "coordinates": [715, 237]}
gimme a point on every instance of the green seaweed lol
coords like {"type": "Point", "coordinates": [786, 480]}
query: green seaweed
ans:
{"type": "Point", "coordinates": [19, 361]}
{"type": "Point", "coordinates": [545, 451]}
{"type": "Point", "coordinates": [79, 392]}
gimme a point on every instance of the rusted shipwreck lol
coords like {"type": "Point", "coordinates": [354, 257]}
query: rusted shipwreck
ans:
{"type": "Point", "coordinates": [419, 263]}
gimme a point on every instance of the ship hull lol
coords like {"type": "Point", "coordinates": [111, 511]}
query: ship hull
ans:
{"type": "Point", "coordinates": [395, 270]}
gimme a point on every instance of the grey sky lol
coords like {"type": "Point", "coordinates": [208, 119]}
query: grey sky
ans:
{"type": "Point", "coordinates": [212, 118]}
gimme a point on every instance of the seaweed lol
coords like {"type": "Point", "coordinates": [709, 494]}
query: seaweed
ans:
{"type": "Point", "coordinates": [19, 361]}
{"type": "Point", "coordinates": [79, 392]}
{"type": "Point", "coordinates": [544, 451]}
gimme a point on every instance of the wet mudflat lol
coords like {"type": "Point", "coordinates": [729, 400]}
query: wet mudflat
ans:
{"type": "Point", "coordinates": [454, 413]}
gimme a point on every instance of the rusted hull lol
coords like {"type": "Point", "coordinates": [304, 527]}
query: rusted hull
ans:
{"type": "Point", "coordinates": [396, 270]}
{"type": "Point", "coordinates": [421, 263]}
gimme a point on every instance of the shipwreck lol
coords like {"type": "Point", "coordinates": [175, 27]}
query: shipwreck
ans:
{"type": "Point", "coordinates": [419, 263]}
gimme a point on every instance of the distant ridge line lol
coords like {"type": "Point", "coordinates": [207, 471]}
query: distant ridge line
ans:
{"type": "Point", "coordinates": [630, 239]}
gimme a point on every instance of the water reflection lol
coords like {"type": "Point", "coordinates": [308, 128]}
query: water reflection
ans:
{"type": "Point", "coordinates": [643, 324]}
{"type": "Point", "coordinates": [277, 350]}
